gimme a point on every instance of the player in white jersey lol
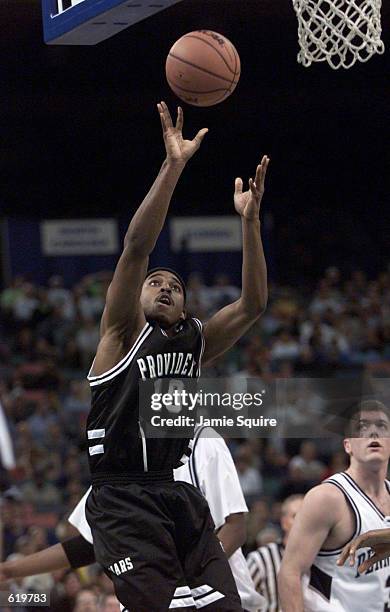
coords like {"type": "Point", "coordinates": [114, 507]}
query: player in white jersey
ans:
{"type": "Point", "coordinates": [264, 562]}
{"type": "Point", "coordinates": [212, 470]}
{"type": "Point", "coordinates": [334, 513]}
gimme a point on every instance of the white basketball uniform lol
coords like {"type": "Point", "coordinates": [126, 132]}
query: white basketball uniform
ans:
{"type": "Point", "coordinates": [212, 470]}
{"type": "Point", "coordinates": [331, 588]}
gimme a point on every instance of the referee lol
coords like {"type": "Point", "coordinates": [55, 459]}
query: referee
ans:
{"type": "Point", "coordinates": [264, 563]}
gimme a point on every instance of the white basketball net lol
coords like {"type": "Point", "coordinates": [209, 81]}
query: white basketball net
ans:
{"type": "Point", "coordinates": [338, 31]}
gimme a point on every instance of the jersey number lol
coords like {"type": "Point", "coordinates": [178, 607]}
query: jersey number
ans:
{"type": "Point", "coordinates": [174, 385]}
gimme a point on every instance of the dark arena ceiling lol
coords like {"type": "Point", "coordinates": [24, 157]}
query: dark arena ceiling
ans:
{"type": "Point", "coordinates": [80, 134]}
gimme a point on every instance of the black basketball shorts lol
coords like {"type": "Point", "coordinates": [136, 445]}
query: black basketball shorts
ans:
{"type": "Point", "coordinates": [156, 542]}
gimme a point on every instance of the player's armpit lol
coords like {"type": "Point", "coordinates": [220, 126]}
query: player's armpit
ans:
{"type": "Point", "coordinates": [47, 560]}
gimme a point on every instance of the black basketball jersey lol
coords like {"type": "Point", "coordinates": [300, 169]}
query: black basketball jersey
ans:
{"type": "Point", "coordinates": [116, 440]}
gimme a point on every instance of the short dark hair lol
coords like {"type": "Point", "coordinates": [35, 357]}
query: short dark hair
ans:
{"type": "Point", "coordinates": [366, 405]}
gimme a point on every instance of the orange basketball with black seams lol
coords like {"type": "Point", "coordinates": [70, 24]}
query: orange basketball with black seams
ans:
{"type": "Point", "coordinates": [203, 68]}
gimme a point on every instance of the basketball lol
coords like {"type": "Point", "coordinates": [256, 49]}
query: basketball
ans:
{"type": "Point", "coordinates": [203, 68]}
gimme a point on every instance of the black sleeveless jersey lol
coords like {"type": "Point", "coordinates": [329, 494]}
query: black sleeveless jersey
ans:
{"type": "Point", "coordinates": [116, 440]}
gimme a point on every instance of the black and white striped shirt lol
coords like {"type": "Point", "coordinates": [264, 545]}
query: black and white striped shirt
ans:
{"type": "Point", "coordinates": [264, 565]}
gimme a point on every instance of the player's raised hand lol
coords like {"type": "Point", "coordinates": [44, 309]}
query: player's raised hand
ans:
{"type": "Point", "coordinates": [379, 542]}
{"type": "Point", "coordinates": [178, 150]}
{"type": "Point", "coordinates": [247, 203]}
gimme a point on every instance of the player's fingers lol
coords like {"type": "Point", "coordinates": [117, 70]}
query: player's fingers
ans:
{"type": "Point", "coordinates": [262, 170]}
{"type": "Point", "coordinates": [238, 186]}
{"type": "Point", "coordinates": [167, 115]}
{"type": "Point", "coordinates": [344, 556]}
{"type": "Point", "coordinates": [253, 187]}
{"type": "Point", "coordinates": [363, 567]}
{"type": "Point", "coordinates": [348, 551]}
{"type": "Point", "coordinates": [180, 118]}
{"type": "Point", "coordinates": [161, 114]}
{"type": "Point", "coordinates": [200, 135]}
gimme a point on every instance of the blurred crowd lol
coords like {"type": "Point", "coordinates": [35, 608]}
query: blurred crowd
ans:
{"type": "Point", "coordinates": [48, 338]}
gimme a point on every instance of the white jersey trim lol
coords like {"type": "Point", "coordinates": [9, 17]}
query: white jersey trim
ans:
{"type": "Point", "coordinates": [96, 433]}
{"type": "Point", "coordinates": [98, 449]}
{"type": "Point", "coordinates": [200, 325]}
{"type": "Point", "coordinates": [364, 495]}
{"type": "Point", "coordinates": [358, 521]}
{"type": "Point", "coordinates": [123, 363]}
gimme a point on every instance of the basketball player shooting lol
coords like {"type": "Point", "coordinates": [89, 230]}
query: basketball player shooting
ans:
{"type": "Point", "coordinates": [153, 536]}
{"type": "Point", "coordinates": [332, 514]}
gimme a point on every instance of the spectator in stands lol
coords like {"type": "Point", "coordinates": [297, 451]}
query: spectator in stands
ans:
{"type": "Point", "coordinates": [324, 299]}
{"type": "Point", "coordinates": [10, 295]}
{"type": "Point", "coordinates": [312, 469]}
{"type": "Point", "coordinates": [41, 420]}
{"type": "Point", "coordinates": [295, 483]}
{"type": "Point", "coordinates": [109, 604]}
{"type": "Point", "coordinates": [64, 594]}
{"type": "Point", "coordinates": [86, 601]}
{"type": "Point", "coordinates": [58, 295]}
{"type": "Point", "coordinates": [249, 477]}
{"type": "Point", "coordinates": [87, 339]}
{"type": "Point", "coordinates": [13, 526]}
{"type": "Point", "coordinates": [285, 347]}
{"type": "Point", "coordinates": [199, 296]}
{"type": "Point", "coordinates": [25, 303]}
{"type": "Point", "coordinates": [39, 489]}
{"type": "Point", "coordinates": [223, 292]}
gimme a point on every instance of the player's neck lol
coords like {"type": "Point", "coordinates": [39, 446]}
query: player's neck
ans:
{"type": "Point", "coordinates": [370, 479]}
{"type": "Point", "coordinates": [172, 330]}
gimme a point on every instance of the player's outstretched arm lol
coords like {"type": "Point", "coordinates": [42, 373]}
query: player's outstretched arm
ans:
{"type": "Point", "coordinates": [48, 560]}
{"type": "Point", "coordinates": [233, 533]}
{"type": "Point", "coordinates": [377, 539]}
{"type": "Point", "coordinates": [122, 318]}
{"type": "Point", "coordinates": [230, 323]}
{"type": "Point", "coordinates": [311, 527]}
{"type": "Point", "coordinates": [73, 553]}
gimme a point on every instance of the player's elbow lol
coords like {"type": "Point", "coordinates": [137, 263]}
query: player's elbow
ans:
{"type": "Point", "coordinates": [241, 533]}
{"type": "Point", "coordinates": [237, 525]}
{"type": "Point", "coordinates": [254, 307]}
{"type": "Point", "coordinates": [289, 576]}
